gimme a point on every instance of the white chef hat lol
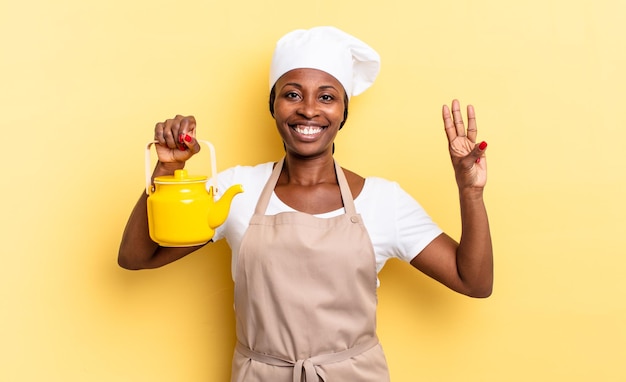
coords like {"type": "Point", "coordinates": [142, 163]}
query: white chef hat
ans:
{"type": "Point", "coordinates": [351, 61]}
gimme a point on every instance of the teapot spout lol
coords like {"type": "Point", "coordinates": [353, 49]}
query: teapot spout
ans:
{"type": "Point", "coordinates": [220, 209]}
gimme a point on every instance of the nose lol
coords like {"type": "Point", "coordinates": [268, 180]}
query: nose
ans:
{"type": "Point", "coordinates": [308, 108]}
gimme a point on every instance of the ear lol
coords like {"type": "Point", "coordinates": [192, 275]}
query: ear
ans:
{"type": "Point", "coordinates": [345, 111]}
{"type": "Point", "coordinates": [272, 98]}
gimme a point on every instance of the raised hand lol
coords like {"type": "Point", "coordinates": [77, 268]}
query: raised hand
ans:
{"type": "Point", "coordinates": [468, 158]}
{"type": "Point", "coordinates": [176, 139]}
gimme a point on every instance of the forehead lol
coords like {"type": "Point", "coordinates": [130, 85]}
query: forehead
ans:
{"type": "Point", "coordinates": [309, 77]}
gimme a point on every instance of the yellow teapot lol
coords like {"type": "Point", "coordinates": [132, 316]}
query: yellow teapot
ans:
{"type": "Point", "coordinates": [181, 212]}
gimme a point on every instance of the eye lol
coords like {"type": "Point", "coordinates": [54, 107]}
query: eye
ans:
{"type": "Point", "coordinates": [326, 98]}
{"type": "Point", "coordinates": [292, 95]}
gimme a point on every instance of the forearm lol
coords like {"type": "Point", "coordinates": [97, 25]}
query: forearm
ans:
{"type": "Point", "coordinates": [475, 252]}
{"type": "Point", "coordinates": [136, 248]}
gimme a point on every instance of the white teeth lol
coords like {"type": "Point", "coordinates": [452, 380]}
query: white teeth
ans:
{"type": "Point", "coordinates": [308, 130]}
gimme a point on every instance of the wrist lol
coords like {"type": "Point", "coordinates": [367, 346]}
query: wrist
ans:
{"type": "Point", "coordinates": [471, 193]}
{"type": "Point", "coordinates": [167, 168]}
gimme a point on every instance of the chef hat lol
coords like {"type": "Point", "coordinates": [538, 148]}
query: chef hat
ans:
{"type": "Point", "coordinates": [351, 61]}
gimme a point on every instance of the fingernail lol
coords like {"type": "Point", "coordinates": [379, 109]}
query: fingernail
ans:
{"type": "Point", "coordinates": [182, 148]}
{"type": "Point", "coordinates": [482, 145]}
{"type": "Point", "coordinates": [478, 160]}
{"type": "Point", "coordinates": [188, 137]}
{"type": "Point", "coordinates": [180, 138]}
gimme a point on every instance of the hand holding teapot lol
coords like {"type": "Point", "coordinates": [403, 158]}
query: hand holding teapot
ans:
{"type": "Point", "coordinates": [176, 139]}
{"type": "Point", "coordinates": [181, 210]}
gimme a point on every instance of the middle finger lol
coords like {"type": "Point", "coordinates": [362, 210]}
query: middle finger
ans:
{"type": "Point", "coordinates": [458, 119]}
{"type": "Point", "coordinates": [169, 133]}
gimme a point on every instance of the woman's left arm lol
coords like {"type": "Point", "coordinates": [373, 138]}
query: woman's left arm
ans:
{"type": "Point", "coordinates": [467, 266]}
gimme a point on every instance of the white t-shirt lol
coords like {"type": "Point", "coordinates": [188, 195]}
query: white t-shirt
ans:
{"type": "Point", "coordinates": [397, 225]}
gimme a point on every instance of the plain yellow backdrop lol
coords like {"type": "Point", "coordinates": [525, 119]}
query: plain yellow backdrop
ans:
{"type": "Point", "coordinates": [83, 83]}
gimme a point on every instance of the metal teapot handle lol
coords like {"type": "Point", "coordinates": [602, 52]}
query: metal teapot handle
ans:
{"type": "Point", "coordinates": [213, 165]}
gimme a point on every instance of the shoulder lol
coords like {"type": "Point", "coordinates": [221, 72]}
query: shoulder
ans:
{"type": "Point", "coordinates": [371, 184]}
{"type": "Point", "coordinates": [252, 178]}
{"type": "Point", "coordinates": [382, 197]}
{"type": "Point", "coordinates": [248, 171]}
{"type": "Point", "coordinates": [239, 174]}
{"type": "Point", "coordinates": [381, 188]}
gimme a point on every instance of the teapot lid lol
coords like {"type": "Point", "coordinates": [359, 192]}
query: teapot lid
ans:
{"type": "Point", "coordinates": [180, 176]}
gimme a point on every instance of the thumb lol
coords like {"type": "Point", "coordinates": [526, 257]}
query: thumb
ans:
{"type": "Point", "coordinates": [191, 143]}
{"type": "Point", "coordinates": [479, 151]}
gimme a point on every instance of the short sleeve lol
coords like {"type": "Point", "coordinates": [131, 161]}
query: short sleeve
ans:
{"type": "Point", "coordinates": [415, 228]}
{"type": "Point", "coordinates": [397, 224]}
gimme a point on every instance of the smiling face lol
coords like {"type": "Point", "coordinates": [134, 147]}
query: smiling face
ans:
{"type": "Point", "coordinates": [309, 109]}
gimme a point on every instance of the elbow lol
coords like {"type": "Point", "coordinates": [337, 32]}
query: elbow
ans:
{"type": "Point", "coordinates": [126, 262]}
{"type": "Point", "coordinates": [127, 266]}
{"type": "Point", "coordinates": [481, 291]}
{"type": "Point", "coordinates": [477, 288]}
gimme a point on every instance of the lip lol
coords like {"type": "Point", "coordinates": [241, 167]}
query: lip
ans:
{"type": "Point", "coordinates": [307, 131]}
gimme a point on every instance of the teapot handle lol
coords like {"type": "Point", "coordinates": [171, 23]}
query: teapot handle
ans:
{"type": "Point", "coordinates": [213, 165]}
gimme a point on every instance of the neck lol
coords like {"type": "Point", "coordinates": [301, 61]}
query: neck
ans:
{"type": "Point", "coordinates": [308, 171]}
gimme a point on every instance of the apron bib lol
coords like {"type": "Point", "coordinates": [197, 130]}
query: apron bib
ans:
{"type": "Point", "coordinates": [305, 297]}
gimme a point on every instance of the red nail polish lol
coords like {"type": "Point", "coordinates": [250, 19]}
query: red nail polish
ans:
{"type": "Point", "coordinates": [482, 146]}
{"type": "Point", "coordinates": [188, 137]}
{"type": "Point", "coordinates": [478, 160]}
{"type": "Point", "coordinates": [180, 138]}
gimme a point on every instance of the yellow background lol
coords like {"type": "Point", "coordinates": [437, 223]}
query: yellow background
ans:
{"type": "Point", "coordinates": [83, 83]}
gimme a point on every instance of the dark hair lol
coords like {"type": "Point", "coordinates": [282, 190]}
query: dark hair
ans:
{"type": "Point", "coordinates": [345, 102]}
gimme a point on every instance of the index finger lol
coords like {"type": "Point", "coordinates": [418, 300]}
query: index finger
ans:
{"type": "Point", "coordinates": [187, 126]}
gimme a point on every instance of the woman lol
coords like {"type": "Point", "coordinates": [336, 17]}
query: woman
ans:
{"type": "Point", "coordinates": [309, 237]}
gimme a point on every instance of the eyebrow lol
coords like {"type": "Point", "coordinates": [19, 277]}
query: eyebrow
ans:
{"type": "Point", "coordinates": [323, 87]}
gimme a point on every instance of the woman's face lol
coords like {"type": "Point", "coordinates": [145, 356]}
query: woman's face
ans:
{"type": "Point", "coordinates": [309, 110]}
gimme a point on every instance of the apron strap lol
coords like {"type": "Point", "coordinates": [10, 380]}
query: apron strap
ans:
{"type": "Point", "coordinates": [264, 199]}
{"type": "Point", "coordinates": [346, 194]}
{"type": "Point", "coordinates": [309, 365]}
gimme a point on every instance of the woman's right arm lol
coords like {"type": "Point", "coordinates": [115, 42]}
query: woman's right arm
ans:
{"type": "Point", "coordinates": [176, 143]}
